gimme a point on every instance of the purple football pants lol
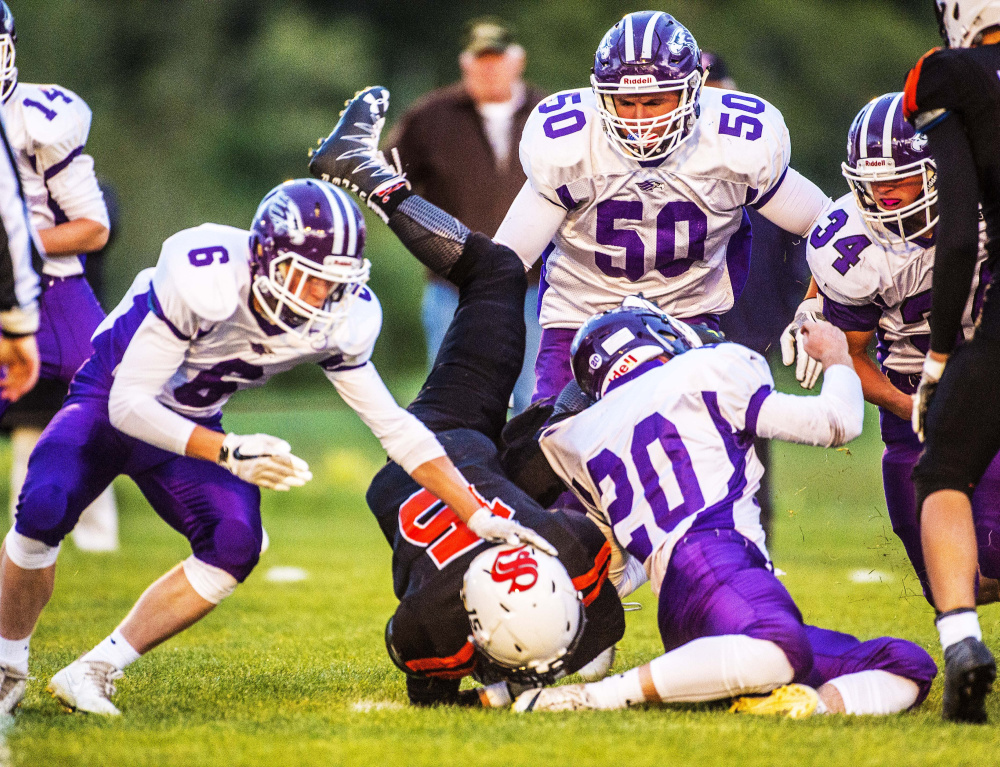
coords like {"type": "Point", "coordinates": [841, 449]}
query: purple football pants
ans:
{"type": "Point", "coordinates": [719, 583]}
{"type": "Point", "coordinates": [68, 315]}
{"type": "Point", "coordinates": [902, 451]}
{"type": "Point", "coordinates": [80, 453]}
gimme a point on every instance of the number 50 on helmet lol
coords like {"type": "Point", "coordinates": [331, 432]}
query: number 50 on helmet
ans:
{"type": "Point", "coordinates": [525, 613]}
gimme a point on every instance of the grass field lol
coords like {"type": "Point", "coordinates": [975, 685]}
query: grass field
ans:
{"type": "Point", "coordinates": [295, 673]}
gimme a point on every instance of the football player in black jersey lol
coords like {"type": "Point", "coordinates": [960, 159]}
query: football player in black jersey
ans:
{"type": "Point", "coordinates": [953, 95]}
{"type": "Point", "coordinates": [464, 402]}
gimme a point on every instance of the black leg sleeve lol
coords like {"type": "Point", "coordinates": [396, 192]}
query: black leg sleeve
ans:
{"type": "Point", "coordinates": [480, 359]}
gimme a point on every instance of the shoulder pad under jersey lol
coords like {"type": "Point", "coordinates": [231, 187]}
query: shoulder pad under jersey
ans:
{"type": "Point", "coordinates": [54, 117]}
{"type": "Point", "coordinates": [841, 255]}
{"type": "Point", "coordinates": [745, 136]}
{"type": "Point", "coordinates": [205, 270]}
{"type": "Point", "coordinates": [355, 337]}
{"type": "Point", "coordinates": [556, 145]}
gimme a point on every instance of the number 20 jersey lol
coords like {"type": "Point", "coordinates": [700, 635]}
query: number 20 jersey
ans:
{"type": "Point", "coordinates": [673, 229]}
{"type": "Point", "coordinates": [886, 288]}
{"type": "Point", "coordinates": [670, 451]}
{"type": "Point", "coordinates": [201, 289]}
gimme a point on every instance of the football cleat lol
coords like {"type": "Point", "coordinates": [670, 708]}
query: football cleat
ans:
{"type": "Point", "coordinates": [795, 701]}
{"type": "Point", "coordinates": [570, 697]}
{"type": "Point", "coordinates": [12, 684]}
{"type": "Point", "coordinates": [86, 685]}
{"type": "Point", "coordinates": [350, 157]}
{"type": "Point", "coordinates": [969, 671]}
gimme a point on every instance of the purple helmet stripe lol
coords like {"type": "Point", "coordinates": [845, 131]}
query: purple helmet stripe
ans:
{"type": "Point", "coordinates": [894, 113]}
{"type": "Point", "coordinates": [878, 117]}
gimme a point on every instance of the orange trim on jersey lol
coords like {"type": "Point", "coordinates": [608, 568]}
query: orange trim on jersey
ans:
{"type": "Point", "coordinates": [910, 107]}
{"type": "Point", "coordinates": [453, 667]}
{"type": "Point", "coordinates": [596, 576]}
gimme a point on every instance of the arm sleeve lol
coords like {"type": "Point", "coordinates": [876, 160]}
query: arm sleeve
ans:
{"type": "Point", "coordinates": [407, 441]}
{"type": "Point", "coordinates": [18, 250]}
{"type": "Point", "coordinates": [957, 230]}
{"type": "Point", "coordinates": [153, 355]}
{"type": "Point", "coordinates": [530, 224]}
{"type": "Point", "coordinates": [795, 204]}
{"type": "Point", "coordinates": [833, 418]}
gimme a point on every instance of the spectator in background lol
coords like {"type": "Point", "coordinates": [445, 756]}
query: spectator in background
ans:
{"type": "Point", "coordinates": [458, 146]}
{"type": "Point", "coordinates": [778, 278]}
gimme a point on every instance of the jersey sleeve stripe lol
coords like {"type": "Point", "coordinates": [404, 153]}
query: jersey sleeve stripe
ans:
{"type": "Point", "coordinates": [155, 308]}
{"type": "Point", "coordinates": [761, 202]}
{"type": "Point", "coordinates": [754, 406]}
{"type": "Point", "coordinates": [910, 107]}
{"type": "Point", "coordinates": [452, 667]}
{"type": "Point", "coordinates": [63, 163]}
{"type": "Point", "coordinates": [594, 578]}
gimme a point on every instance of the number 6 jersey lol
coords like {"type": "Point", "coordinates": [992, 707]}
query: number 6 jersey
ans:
{"type": "Point", "coordinates": [672, 229]}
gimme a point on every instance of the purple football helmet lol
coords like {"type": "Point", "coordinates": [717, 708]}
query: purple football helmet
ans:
{"type": "Point", "coordinates": [617, 342]}
{"type": "Point", "coordinates": [648, 52]}
{"type": "Point", "coordinates": [8, 36]}
{"type": "Point", "coordinates": [306, 231]}
{"type": "Point", "coordinates": [882, 146]}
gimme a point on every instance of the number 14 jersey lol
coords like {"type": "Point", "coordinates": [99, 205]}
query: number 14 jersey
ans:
{"type": "Point", "coordinates": [673, 229]}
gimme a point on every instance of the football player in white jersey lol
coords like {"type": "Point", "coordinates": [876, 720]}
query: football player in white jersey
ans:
{"type": "Point", "coordinates": [638, 185]}
{"type": "Point", "coordinates": [872, 257]}
{"type": "Point", "coordinates": [665, 459]}
{"type": "Point", "coordinates": [224, 309]}
{"type": "Point", "coordinates": [48, 126]}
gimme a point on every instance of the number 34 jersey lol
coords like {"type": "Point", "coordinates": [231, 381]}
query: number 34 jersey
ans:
{"type": "Point", "coordinates": [673, 229]}
{"type": "Point", "coordinates": [200, 288]}
{"type": "Point", "coordinates": [670, 451]}
{"type": "Point", "coordinates": [868, 286]}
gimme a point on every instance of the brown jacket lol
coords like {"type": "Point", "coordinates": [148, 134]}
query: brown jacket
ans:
{"type": "Point", "coordinates": [449, 161]}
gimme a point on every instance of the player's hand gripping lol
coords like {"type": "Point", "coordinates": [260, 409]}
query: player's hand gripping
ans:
{"type": "Point", "coordinates": [807, 369]}
{"type": "Point", "coordinates": [350, 157]}
{"type": "Point", "coordinates": [19, 357]}
{"type": "Point", "coordinates": [496, 529]}
{"type": "Point", "coordinates": [264, 460]}
{"type": "Point", "coordinates": [929, 378]}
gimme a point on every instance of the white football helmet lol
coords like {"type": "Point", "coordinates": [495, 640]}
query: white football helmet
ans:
{"type": "Point", "coordinates": [962, 21]}
{"type": "Point", "coordinates": [525, 613]}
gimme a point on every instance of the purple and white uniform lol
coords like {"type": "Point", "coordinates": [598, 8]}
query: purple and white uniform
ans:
{"type": "Point", "coordinates": [181, 342]}
{"type": "Point", "coordinates": [885, 288]}
{"type": "Point", "coordinates": [607, 226]}
{"type": "Point", "coordinates": [666, 458]}
{"type": "Point", "coordinates": [47, 126]}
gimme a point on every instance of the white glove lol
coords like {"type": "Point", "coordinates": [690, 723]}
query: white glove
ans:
{"type": "Point", "coordinates": [807, 369]}
{"type": "Point", "coordinates": [929, 378]}
{"type": "Point", "coordinates": [263, 460]}
{"type": "Point", "coordinates": [494, 529]}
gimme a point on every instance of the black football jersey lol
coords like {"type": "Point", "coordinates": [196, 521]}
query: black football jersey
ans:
{"type": "Point", "coordinates": [430, 633]}
{"type": "Point", "coordinates": [964, 82]}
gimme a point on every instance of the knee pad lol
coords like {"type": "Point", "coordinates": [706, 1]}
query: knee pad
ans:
{"type": "Point", "coordinates": [29, 554]}
{"type": "Point", "coordinates": [212, 583]}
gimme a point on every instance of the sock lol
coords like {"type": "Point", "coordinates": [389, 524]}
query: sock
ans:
{"type": "Point", "coordinates": [14, 653]}
{"type": "Point", "coordinates": [875, 692]}
{"type": "Point", "coordinates": [956, 625]}
{"type": "Point", "coordinates": [115, 650]}
{"type": "Point", "coordinates": [618, 691]}
{"type": "Point", "coordinates": [821, 708]}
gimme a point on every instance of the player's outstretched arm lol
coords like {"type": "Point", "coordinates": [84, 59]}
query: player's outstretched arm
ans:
{"type": "Point", "coordinates": [833, 418]}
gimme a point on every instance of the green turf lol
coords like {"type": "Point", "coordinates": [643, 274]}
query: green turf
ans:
{"type": "Point", "coordinates": [296, 673]}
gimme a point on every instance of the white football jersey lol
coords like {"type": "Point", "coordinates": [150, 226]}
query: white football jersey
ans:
{"type": "Point", "coordinates": [672, 229]}
{"type": "Point", "coordinates": [670, 452]}
{"type": "Point", "coordinates": [869, 286]}
{"type": "Point", "coordinates": [47, 126]}
{"type": "Point", "coordinates": [201, 289]}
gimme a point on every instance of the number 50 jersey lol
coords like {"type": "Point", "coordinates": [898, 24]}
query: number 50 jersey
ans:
{"type": "Point", "coordinates": [672, 229]}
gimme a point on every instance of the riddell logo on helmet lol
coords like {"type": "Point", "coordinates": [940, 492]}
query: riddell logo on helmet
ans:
{"type": "Point", "coordinates": [876, 163]}
{"type": "Point", "coordinates": [626, 364]}
{"type": "Point", "coordinates": [638, 80]}
{"type": "Point", "coordinates": [516, 566]}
